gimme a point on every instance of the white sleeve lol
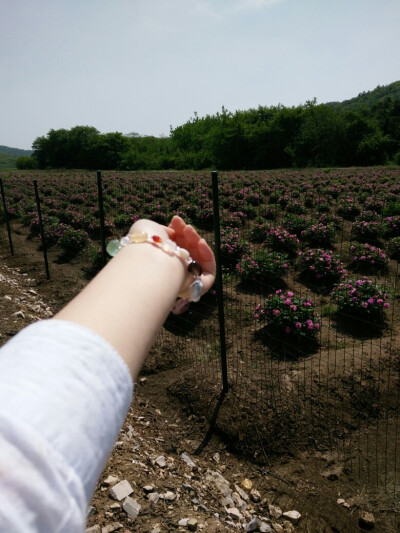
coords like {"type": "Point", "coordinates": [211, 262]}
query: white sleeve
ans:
{"type": "Point", "coordinates": [64, 395]}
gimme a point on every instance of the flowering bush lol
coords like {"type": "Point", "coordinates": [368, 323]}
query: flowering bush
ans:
{"type": "Point", "coordinates": [391, 226]}
{"type": "Point", "coordinates": [262, 267]}
{"type": "Point", "coordinates": [394, 248]}
{"type": "Point", "coordinates": [348, 209]}
{"type": "Point", "coordinates": [73, 240]}
{"type": "Point", "coordinates": [321, 265]}
{"type": "Point", "coordinates": [360, 299]}
{"type": "Point", "coordinates": [319, 234]}
{"type": "Point", "coordinates": [368, 257]}
{"type": "Point", "coordinates": [295, 224]}
{"type": "Point", "coordinates": [270, 212]}
{"type": "Point", "coordinates": [280, 240]}
{"type": "Point", "coordinates": [366, 230]}
{"type": "Point", "coordinates": [290, 315]}
{"type": "Point", "coordinates": [232, 247]}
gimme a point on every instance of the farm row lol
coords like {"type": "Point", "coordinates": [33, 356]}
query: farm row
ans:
{"type": "Point", "coordinates": [337, 231]}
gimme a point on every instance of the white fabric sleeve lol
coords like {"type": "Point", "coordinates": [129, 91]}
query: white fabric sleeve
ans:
{"type": "Point", "coordinates": [64, 395]}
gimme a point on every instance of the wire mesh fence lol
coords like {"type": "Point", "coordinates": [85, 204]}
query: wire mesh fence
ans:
{"type": "Point", "coordinates": [309, 298]}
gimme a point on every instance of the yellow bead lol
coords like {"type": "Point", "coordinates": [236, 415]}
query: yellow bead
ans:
{"type": "Point", "coordinates": [139, 237]}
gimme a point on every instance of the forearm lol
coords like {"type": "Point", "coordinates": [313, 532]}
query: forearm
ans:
{"type": "Point", "coordinates": [129, 300]}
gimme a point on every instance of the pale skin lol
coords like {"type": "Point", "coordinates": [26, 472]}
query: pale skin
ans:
{"type": "Point", "coordinates": [130, 299]}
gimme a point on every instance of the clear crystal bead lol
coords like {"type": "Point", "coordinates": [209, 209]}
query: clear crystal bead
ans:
{"type": "Point", "coordinates": [125, 240]}
{"type": "Point", "coordinates": [195, 290]}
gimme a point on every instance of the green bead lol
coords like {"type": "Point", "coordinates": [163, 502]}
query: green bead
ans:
{"type": "Point", "coordinates": [113, 247]}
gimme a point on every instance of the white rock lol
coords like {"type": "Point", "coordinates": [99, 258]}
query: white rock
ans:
{"type": "Point", "coordinates": [110, 481]}
{"type": "Point", "coordinates": [293, 516]}
{"type": "Point", "coordinates": [234, 514]}
{"type": "Point", "coordinates": [241, 492]}
{"type": "Point", "coordinates": [161, 462]}
{"type": "Point", "coordinates": [168, 496]}
{"type": "Point", "coordinates": [121, 490]}
{"type": "Point", "coordinates": [188, 460]}
{"type": "Point", "coordinates": [93, 529]}
{"type": "Point", "coordinates": [274, 511]}
{"type": "Point", "coordinates": [183, 522]}
{"type": "Point", "coordinates": [131, 507]}
{"type": "Point", "coordinates": [111, 527]}
{"type": "Point", "coordinates": [192, 524]}
{"type": "Point", "coordinates": [153, 497]}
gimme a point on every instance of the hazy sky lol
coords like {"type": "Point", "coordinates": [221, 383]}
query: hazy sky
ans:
{"type": "Point", "coordinates": [145, 65]}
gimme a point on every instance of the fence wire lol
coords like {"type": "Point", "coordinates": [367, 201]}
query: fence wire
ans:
{"type": "Point", "coordinates": [334, 388]}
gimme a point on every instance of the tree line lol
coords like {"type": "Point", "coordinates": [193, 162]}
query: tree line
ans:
{"type": "Point", "coordinates": [310, 135]}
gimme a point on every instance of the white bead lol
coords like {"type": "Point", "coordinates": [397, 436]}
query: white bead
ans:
{"type": "Point", "coordinates": [183, 254]}
{"type": "Point", "coordinates": [168, 246]}
{"type": "Point", "coordinates": [125, 240]}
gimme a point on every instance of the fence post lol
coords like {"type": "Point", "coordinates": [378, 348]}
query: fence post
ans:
{"type": "Point", "coordinates": [44, 247]}
{"type": "Point", "coordinates": [219, 286]}
{"type": "Point", "coordinates": [101, 216]}
{"type": "Point", "coordinates": [6, 216]}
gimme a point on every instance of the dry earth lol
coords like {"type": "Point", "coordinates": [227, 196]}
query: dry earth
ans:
{"type": "Point", "coordinates": [220, 491]}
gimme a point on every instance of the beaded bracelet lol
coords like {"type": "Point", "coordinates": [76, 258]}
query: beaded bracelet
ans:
{"type": "Point", "coordinates": [170, 247]}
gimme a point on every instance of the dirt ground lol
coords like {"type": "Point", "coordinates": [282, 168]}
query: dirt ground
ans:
{"type": "Point", "coordinates": [320, 485]}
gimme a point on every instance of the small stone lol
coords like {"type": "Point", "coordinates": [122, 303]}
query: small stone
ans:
{"type": "Point", "coordinates": [91, 511]}
{"type": "Point", "coordinates": [234, 514]}
{"type": "Point", "coordinates": [253, 525]}
{"type": "Point", "coordinates": [292, 516]}
{"type": "Point", "coordinates": [161, 462]}
{"type": "Point", "coordinates": [241, 492]}
{"type": "Point", "coordinates": [216, 457]}
{"type": "Point", "coordinates": [110, 481]}
{"type": "Point", "coordinates": [247, 484]}
{"type": "Point", "coordinates": [131, 507]}
{"type": "Point", "coordinates": [255, 496]}
{"type": "Point", "coordinates": [192, 524]}
{"type": "Point", "coordinates": [188, 460]}
{"type": "Point", "coordinates": [266, 528]}
{"type": "Point", "coordinates": [148, 488]}
{"type": "Point", "coordinates": [183, 522]}
{"type": "Point", "coordinates": [274, 511]}
{"type": "Point", "coordinates": [153, 497]}
{"type": "Point", "coordinates": [93, 529]}
{"type": "Point", "coordinates": [168, 496]}
{"type": "Point", "coordinates": [366, 520]}
{"type": "Point", "coordinates": [121, 490]}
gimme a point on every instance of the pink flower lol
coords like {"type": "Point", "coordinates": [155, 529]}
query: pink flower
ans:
{"type": "Point", "coordinates": [287, 329]}
{"type": "Point", "coordinates": [298, 325]}
{"type": "Point", "coordinates": [276, 312]}
{"type": "Point", "coordinates": [386, 305]}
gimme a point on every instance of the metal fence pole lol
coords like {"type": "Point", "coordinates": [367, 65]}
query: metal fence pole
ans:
{"type": "Point", "coordinates": [219, 285]}
{"type": "Point", "coordinates": [6, 216]}
{"type": "Point", "coordinates": [44, 247]}
{"type": "Point", "coordinates": [101, 216]}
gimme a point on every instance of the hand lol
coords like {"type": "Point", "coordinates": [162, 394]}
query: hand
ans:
{"type": "Point", "coordinates": [187, 237]}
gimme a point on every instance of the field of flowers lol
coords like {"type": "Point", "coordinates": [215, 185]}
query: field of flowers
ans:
{"type": "Point", "coordinates": [310, 271]}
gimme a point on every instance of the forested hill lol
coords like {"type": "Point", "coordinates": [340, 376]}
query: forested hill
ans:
{"type": "Point", "coordinates": [381, 96]}
{"type": "Point", "coordinates": [362, 131]}
{"type": "Point", "coordinates": [14, 151]}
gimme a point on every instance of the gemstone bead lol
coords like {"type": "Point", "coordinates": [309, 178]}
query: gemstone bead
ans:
{"type": "Point", "coordinates": [168, 246]}
{"type": "Point", "coordinates": [195, 290]}
{"type": "Point", "coordinates": [195, 268]}
{"type": "Point", "coordinates": [157, 239]}
{"type": "Point", "coordinates": [139, 236]}
{"type": "Point", "coordinates": [183, 253]}
{"type": "Point", "coordinates": [113, 247]}
{"type": "Point", "coordinates": [125, 240]}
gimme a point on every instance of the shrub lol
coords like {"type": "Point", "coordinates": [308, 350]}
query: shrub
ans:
{"type": "Point", "coordinates": [280, 240]}
{"type": "Point", "coordinates": [319, 234]}
{"type": "Point", "coordinates": [259, 232]}
{"type": "Point", "coordinates": [391, 226]}
{"type": "Point", "coordinates": [291, 316]}
{"type": "Point", "coordinates": [73, 240]}
{"type": "Point", "coordinates": [295, 224]}
{"type": "Point", "coordinates": [232, 247]}
{"type": "Point", "coordinates": [360, 299]}
{"type": "Point", "coordinates": [366, 230]}
{"type": "Point", "coordinates": [368, 257]}
{"type": "Point", "coordinates": [262, 266]}
{"type": "Point", "coordinates": [394, 248]}
{"type": "Point", "coordinates": [320, 265]}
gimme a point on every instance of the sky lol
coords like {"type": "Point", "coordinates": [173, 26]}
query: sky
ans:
{"type": "Point", "coordinates": [145, 66]}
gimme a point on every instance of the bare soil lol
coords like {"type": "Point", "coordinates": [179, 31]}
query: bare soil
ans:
{"type": "Point", "coordinates": [171, 414]}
